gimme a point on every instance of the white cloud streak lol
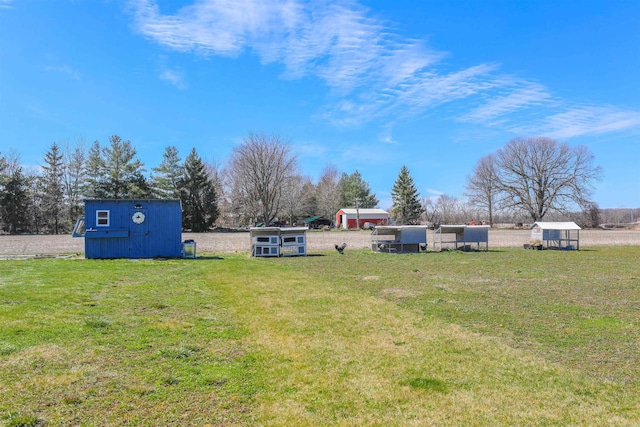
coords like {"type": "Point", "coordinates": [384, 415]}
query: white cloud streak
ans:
{"type": "Point", "coordinates": [174, 77]}
{"type": "Point", "coordinates": [580, 120]}
{"type": "Point", "coordinates": [63, 69]}
{"type": "Point", "coordinates": [372, 72]}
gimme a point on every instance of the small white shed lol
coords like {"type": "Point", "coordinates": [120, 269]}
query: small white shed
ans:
{"type": "Point", "coordinates": [401, 238]}
{"type": "Point", "coordinates": [278, 241]}
{"type": "Point", "coordinates": [461, 236]}
{"type": "Point", "coordinates": [560, 235]}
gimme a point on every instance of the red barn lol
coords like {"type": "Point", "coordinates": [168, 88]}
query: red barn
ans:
{"type": "Point", "coordinates": [348, 218]}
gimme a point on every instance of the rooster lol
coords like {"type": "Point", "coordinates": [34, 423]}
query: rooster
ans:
{"type": "Point", "coordinates": [340, 248]}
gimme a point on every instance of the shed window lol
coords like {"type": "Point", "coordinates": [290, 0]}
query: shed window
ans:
{"type": "Point", "coordinates": [102, 218]}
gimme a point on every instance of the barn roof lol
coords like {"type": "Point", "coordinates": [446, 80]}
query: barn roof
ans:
{"type": "Point", "coordinates": [364, 211]}
{"type": "Point", "coordinates": [568, 225]}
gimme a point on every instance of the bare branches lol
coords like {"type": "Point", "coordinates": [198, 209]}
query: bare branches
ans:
{"type": "Point", "coordinates": [259, 169]}
{"type": "Point", "coordinates": [539, 175]}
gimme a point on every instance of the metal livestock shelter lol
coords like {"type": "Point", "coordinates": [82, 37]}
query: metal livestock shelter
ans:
{"type": "Point", "coordinates": [461, 236]}
{"type": "Point", "coordinates": [145, 228]}
{"type": "Point", "coordinates": [560, 235]}
{"type": "Point", "coordinates": [401, 238]}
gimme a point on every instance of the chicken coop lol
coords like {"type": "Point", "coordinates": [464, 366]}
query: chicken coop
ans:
{"type": "Point", "coordinates": [399, 239]}
{"type": "Point", "coordinates": [557, 235]}
{"type": "Point", "coordinates": [278, 241]}
{"type": "Point", "coordinates": [461, 237]}
{"type": "Point", "coordinates": [146, 228]}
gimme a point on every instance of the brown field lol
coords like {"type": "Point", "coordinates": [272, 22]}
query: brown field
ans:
{"type": "Point", "coordinates": [34, 245]}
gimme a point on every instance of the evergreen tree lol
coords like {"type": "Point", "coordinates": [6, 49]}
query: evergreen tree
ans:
{"type": "Point", "coordinates": [198, 195]}
{"type": "Point", "coordinates": [407, 208]}
{"type": "Point", "coordinates": [168, 173]}
{"type": "Point", "coordinates": [122, 170]}
{"type": "Point", "coordinates": [114, 171]}
{"type": "Point", "coordinates": [52, 185]}
{"type": "Point", "coordinates": [4, 166]}
{"type": "Point", "coordinates": [355, 192]}
{"type": "Point", "coordinates": [14, 201]}
{"type": "Point", "coordinates": [4, 178]}
{"type": "Point", "coordinates": [94, 185]}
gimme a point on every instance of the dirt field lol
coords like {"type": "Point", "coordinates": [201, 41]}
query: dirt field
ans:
{"type": "Point", "coordinates": [30, 245]}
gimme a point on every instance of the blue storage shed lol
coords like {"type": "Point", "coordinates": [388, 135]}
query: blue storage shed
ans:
{"type": "Point", "coordinates": [146, 228]}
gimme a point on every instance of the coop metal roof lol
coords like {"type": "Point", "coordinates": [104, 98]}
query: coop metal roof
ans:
{"type": "Point", "coordinates": [457, 228]}
{"type": "Point", "coordinates": [569, 225]}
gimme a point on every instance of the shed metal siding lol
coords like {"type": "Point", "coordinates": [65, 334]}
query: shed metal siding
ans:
{"type": "Point", "coordinates": [159, 235]}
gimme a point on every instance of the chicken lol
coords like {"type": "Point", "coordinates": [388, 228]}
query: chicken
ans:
{"type": "Point", "coordinates": [340, 248]}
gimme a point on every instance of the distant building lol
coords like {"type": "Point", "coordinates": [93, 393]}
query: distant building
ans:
{"type": "Point", "coordinates": [348, 218]}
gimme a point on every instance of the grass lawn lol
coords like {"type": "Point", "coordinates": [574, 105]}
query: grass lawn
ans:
{"type": "Point", "coordinates": [508, 337]}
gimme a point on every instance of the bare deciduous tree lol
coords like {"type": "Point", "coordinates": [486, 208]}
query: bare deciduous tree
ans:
{"type": "Point", "coordinates": [298, 198]}
{"type": "Point", "coordinates": [259, 168]}
{"type": "Point", "coordinates": [73, 179]}
{"type": "Point", "coordinates": [328, 192]}
{"type": "Point", "coordinates": [447, 210]}
{"type": "Point", "coordinates": [482, 185]}
{"type": "Point", "coordinates": [541, 175]}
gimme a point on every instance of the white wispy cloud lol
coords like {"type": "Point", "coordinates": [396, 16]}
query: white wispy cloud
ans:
{"type": "Point", "coordinates": [6, 4]}
{"type": "Point", "coordinates": [175, 77]}
{"type": "Point", "coordinates": [579, 120]}
{"type": "Point", "coordinates": [514, 95]}
{"type": "Point", "coordinates": [63, 69]}
{"type": "Point", "coordinates": [372, 71]}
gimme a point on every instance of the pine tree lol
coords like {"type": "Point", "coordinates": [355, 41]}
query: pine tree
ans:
{"type": "Point", "coordinates": [14, 201]}
{"type": "Point", "coordinates": [355, 192]}
{"type": "Point", "coordinates": [168, 173]}
{"type": "Point", "coordinates": [123, 171]}
{"type": "Point", "coordinates": [407, 208]}
{"type": "Point", "coordinates": [52, 185]}
{"type": "Point", "coordinates": [198, 195]}
{"type": "Point", "coordinates": [115, 172]}
{"type": "Point", "coordinates": [94, 185]}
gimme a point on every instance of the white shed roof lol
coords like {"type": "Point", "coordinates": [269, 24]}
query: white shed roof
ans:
{"type": "Point", "coordinates": [458, 228]}
{"type": "Point", "coordinates": [569, 225]}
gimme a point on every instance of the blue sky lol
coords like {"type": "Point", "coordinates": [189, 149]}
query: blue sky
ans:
{"type": "Point", "coordinates": [369, 85]}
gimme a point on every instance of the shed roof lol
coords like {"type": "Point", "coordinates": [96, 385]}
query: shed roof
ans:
{"type": "Point", "coordinates": [400, 227]}
{"type": "Point", "coordinates": [568, 225]}
{"type": "Point", "coordinates": [457, 228]}
{"type": "Point", "coordinates": [278, 229]}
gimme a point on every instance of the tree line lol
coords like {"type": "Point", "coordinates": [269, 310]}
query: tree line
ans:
{"type": "Point", "coordinates": [527, 179]}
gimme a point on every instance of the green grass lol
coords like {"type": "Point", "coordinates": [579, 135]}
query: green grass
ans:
{"type": "Point", "coordinates": [508, 337]}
